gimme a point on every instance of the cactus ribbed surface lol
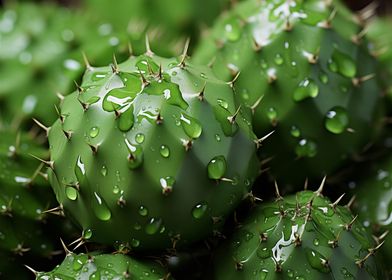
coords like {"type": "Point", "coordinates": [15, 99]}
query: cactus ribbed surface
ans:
{"type": "Point", "coordinates": [302, 236]}
{"type": "Point", "coordinates": [104, 266]}
{"type": "Point", "coordinates": [305, 69]}
{"type": "Point", "coordinates": [151, 153]}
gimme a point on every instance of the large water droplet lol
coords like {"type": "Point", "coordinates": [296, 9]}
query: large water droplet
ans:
{"type": "Point", "coordinates": [100, 209]}
{"type": "Point", "coordinates": [87, 234]}
{"type": "Point", "coordinates": [94, 131]}
{"type": "Point", "coordinates": [232, 29]}
{"type": "Point", "coordinates": [216, 168]}
{"type": "Point", "coordinates": [295, 132]}
{"type": "Point", "coordinates": [272, 115]}
{"type": "Point", "coordinates": [71, 193]}
{"type": "Point", "coordinates": [143, 211]}
{"type": "Point", "coordinates": [126, 119]}
{"type": "Point", "coordinates": [306, 89]}
{"type": "Point", "coordinates": [78, 262]}
{"type": "Point", "coordinates": [199, 210]}
{"type": "Point", "coordinates": [139, 138]}
{"type": "Point", "coordinates": [135, 243]}
{"type": "Point", "coordinates": [278, 59]}
{"type": "Point", "coordinates": [317, 261]}
{"type": "Point", "coordinates": [165, 151]}
{"type": "Point", "coordinates": [191, 126]}
{"type": "Point", "coordinates": [343, 64]}
{"type": "Point", "coordinates": [306, 148]}
{"type": "Point", "coordinates": [80, 171]}
{"type": "Point", "coordinates": [153, 226]}
{"type": "Point", "coordinates": [336, 120]}
{"type": "Point", "coordinates": [170, 91]}
{"type": "Point", "coordinates": [104, 170]}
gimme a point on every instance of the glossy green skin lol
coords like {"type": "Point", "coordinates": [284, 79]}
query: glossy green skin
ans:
{"type": "Point", "coordinates": [275, 65]}
{"type": "Point", "coordinates": [41, 56]}
{"type": "Point", "coordinates": [104, 266]}
{"type": "Point", "coordinates": [288, 239]}
{"type": "Point", "coordinates": [373, 203]}
{"type": "Point", "coordinates": [149, 173]}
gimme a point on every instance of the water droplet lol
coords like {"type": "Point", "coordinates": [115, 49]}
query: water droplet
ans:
{"type": "Point", "coordinates": [336, 120]}
{"type": "Point", "coordinates": [137, 226]}
{"type": "Point", "coordinates": [71, 193]}
{"type": "Point", "coordinates": [135, 243]}
{"type": "Point", "coordinates": [306, 148]}
{"type": "Point", "coordinates": [116, 189]}
{"type": "Point", "coordinates": [295, 132]}
{"type": "Point", "coordinates": [216, 168]}
{"type": "Point", "coordinates": [199, 210]}
{"type": "Point", "coordinates": [264, 64]}
{"type": "Point", "coordinates": [223, 103]}
{"type": "Point", "coordinates": [316, 242]}
{"type": "Point", "coordinates": [317, 261]}
{"type": "Point", "coordinates": [126, 119]}
{"type": "Point", "coordinates": [307, 88]}
{"type": "Point", "coordinates": [217, 138]}
{"type": "Point", "coordinates": [345, 65]}
{"type": "Point", "coordinates": [97, 76]}
{"type": "Point", "coordinates": [80, 170]}
{"type": "Point", "coordinates": [78, 262]}
{"type": "Point", "coordinates": [135, 157]}
{"type": "Point", "coordinates": [324, 78]}
{"type": "Point", "coordinates": [104, 170]}
{"type": "Point", "coordinates": [147, 65]}
{"type": "Point", "coordinates": [232, 29]}
{"type": "Point", "coordinates": [165, 151]}
{"type": "Point", "coordinates": [191, 126]}
{"type": "Point", "coordinates": [143, 211]}
{"type": "Point", "coordinates": [153, 226]}
{"type": "Point", "coordinates": [278, 59]}
{"type": "Point", "coordinates": [94, 131]}
{"type": "Point", "coordinates": [100, 209]}
{"type": "Point", "coordinates": [272, 115]}
{"type": "Point", "coordinates": [87, 234]}
{"type": "Point", "coordinates": [139, 138]}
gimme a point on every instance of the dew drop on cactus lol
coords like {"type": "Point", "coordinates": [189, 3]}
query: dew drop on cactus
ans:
{"type": "Point", "coordinates": [336, 120]}
{"type": "Point", "coordinates": [100, 209]}
{"type": "Point", "coordinates": [216, 168]}
{"type": "Point", "coordinates": [71, 193]}
{"type": "Point", "coordinates": [306, 89]}
{"type": "Point", "coordinates": [143, 211]}
{"type": "Point", "coordinates": [153, 226]}
{"type": "Point", "coordinates": [199, 210]}
{"type": "Point", "coordinates": [306, 148]}
{"type": "Point", "coordinates": [191, 126]}
{"type": "Point", "coordinates": [165, 151]}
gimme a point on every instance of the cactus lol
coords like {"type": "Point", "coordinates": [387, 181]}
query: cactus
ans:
{"type": "Point", "coordinates": [372, 204]}
{"type": "Point", "coordinates": [302, 236]}
{"type": "Point", "coordinates": [151, 153]}
{"type": "Point", "coordinates": [305, 70]}
{"type": "Point", "coordinates": [104, 266]}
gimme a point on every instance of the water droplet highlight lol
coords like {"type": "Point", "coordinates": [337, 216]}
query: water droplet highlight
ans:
{"type": "Point", "coordinates": [199, 210]}
{"type": "Point", "coordinates": [306, 89]}
{"type": "Point", "coordinates": [216, 168]}
{"type": "Point", "coordinates": [336, 120]}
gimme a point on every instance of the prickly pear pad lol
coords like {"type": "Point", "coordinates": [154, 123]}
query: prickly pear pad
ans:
{"type": "Point", "coordinates": [151, 153]}
{"type": "Point", "coordinates": [303, 236]}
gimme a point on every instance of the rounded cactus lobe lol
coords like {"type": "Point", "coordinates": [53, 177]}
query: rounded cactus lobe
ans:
{"type": "Point", "coordinates": [303, 236]}
{"type": "Point", "coordinates": [306, 72]}
{"type": "Point", "coordinates": [104, 266]}
{"type": "Point", "coordinates": [156, 148]}
{"type": "Point", "coordinates": [373, 204]}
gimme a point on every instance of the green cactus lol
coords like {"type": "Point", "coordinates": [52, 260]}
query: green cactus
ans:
{"type": "Point", "coordinates": [305, 70]}
{"type": "Point", "coordinates": [302, 236]}
{"type": "Point", "coordinates": [151, 153]}
{"type": "Point", "coordinates": [104, 266]}
{"type": "Point", "coordinates": [373, 204]}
